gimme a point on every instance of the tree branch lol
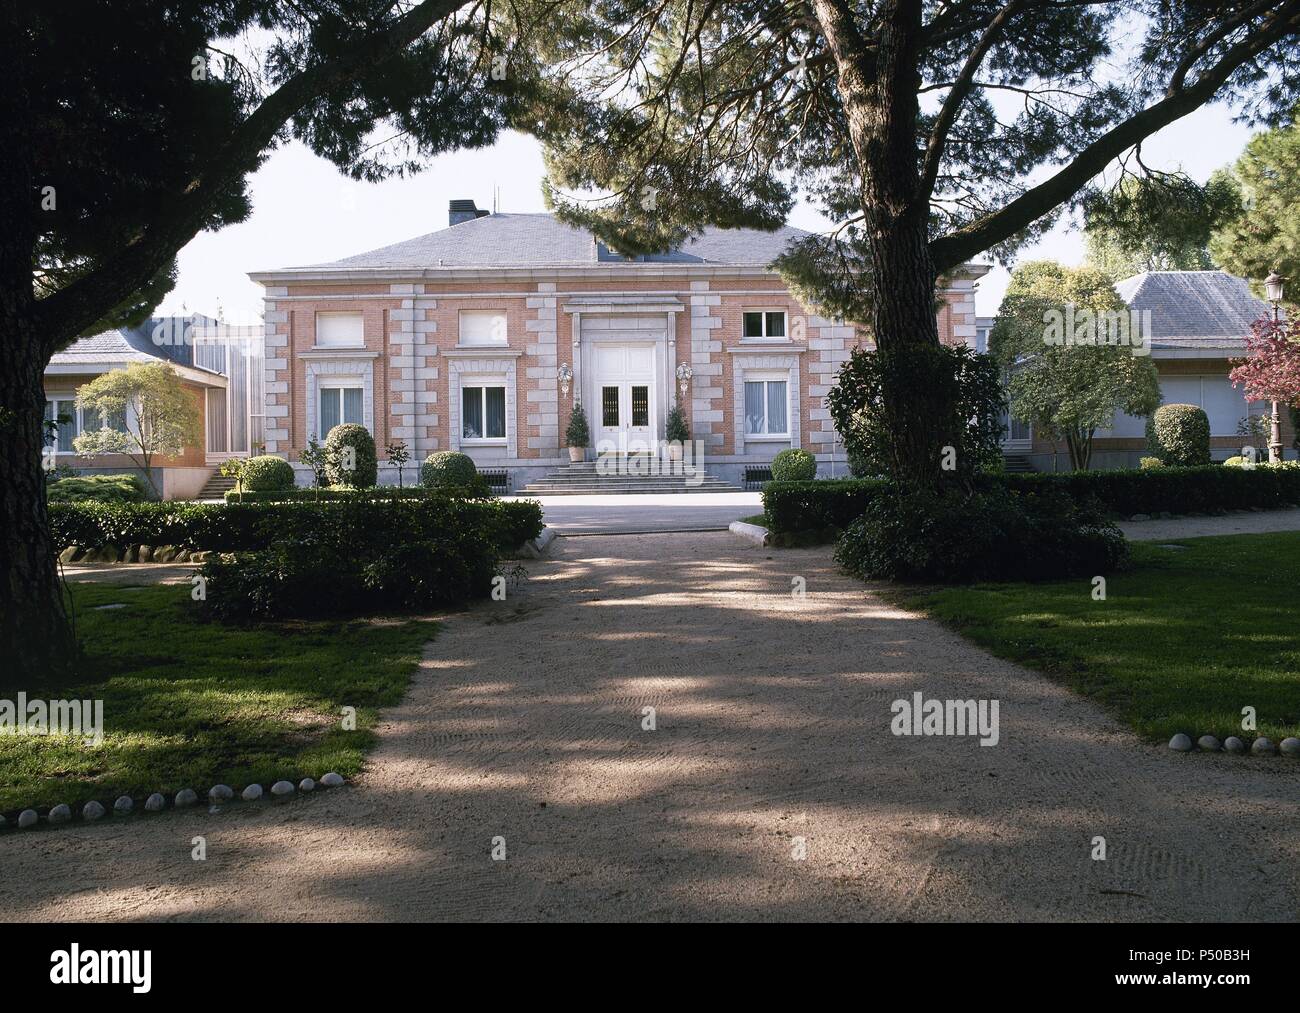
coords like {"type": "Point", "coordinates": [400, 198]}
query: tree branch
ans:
{"type": "Point", "coordinates": [70, 310]}
{"type": "Point", "coordinates": [951, 250]}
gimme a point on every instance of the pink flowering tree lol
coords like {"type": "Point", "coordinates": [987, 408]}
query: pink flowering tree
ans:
{"type": "Point", "coordinates": [1271, 369]}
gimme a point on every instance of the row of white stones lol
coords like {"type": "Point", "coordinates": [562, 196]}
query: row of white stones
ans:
{"type": "Point", "coordinates": [1182, 743]}
{"type": "Point", "coordinates": [186, 797]}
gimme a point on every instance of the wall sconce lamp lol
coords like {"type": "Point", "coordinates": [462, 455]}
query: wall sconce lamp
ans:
{"type": "Point", "coordinates": [684, 374]}
{"type": "Point", "coordinates": [565, 376]}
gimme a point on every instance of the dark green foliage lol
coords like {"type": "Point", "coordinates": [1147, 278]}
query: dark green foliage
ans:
{"type": "Point", "coordinates": [794, 465]}
{"type": "Point", "coordinates": [96, 489]}
{"type": "Point", "coordinates": [577, 434]}
{"type": "Point", "coordinates": [826, 505]}
{"type": "Point", "coordinates": [448, 469]}
{"type": "Point", "coordinates": [234, 527]}
{"type": "Point", "coordinates": [1180, 435]}
{"type": "Point", "coordinates": [322, 574]}
{"type": "Point", "coordinates": [675, 428]}
{"type": "Point", "coordinates": [857, 404]}
{"type": "Point", "coordinates": [951, 536]}
{"type": "Point", "coordinates": [346, 444]}
{"type": "Point", "coordinates": [267, 473]}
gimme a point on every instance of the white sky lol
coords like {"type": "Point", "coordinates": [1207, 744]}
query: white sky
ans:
{"type": "Point", "coordinates": [305, 212]}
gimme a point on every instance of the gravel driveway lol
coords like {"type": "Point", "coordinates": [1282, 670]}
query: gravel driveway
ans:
{"type": "Point", "coordinates": [773, 740]}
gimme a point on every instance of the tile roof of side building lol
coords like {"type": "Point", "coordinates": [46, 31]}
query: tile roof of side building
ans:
{"type": "Point", "coordinates": [540, 240]}
{"type": "Point", "coordinates": [1194, 308]}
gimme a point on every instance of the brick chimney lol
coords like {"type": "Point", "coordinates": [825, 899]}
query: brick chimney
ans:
{"type": "Point", "coordinates": [463, 211]}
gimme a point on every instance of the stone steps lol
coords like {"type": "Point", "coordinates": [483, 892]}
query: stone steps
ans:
{"type": "Point", "coordinates": [582, 479]}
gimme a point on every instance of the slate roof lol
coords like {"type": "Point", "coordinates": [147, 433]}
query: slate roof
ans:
{"type": "Point", "coordinates": [1194, 309]}
{"type": "Point", "coordinates": [539, 240]}
{"type": "Point", "coordinates": [132, 344]}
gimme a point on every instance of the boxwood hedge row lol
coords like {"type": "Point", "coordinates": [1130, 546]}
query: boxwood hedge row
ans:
{"type": "Point", "coordinates": [834, 504]}
{"type": "Point", "coordinates": [233, 527]}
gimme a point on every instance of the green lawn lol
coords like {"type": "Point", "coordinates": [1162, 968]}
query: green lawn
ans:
{"type": "Point", "coordinates": [188, 704]}
{"type": "Point", "coordinates": [1183, 641]}
{"type": "Point", "coordinates": [759, 519]}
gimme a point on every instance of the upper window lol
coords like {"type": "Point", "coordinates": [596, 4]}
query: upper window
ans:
{"type": "Point", "coordinates": [766, 411]}
{"type": "Point", "coordinates": [482, 327]}
{"type": "Point", "coordinates": [764, 324]}
{"type": "Point", "coordinates": [339, 405]}
{"type": "Point", "coordinates": [339, 330]}
{"type": "Point", "coordinates": [483, 413]}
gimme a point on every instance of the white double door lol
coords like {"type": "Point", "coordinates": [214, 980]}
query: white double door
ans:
{"type": "Point", "coordinates": [625, 398]}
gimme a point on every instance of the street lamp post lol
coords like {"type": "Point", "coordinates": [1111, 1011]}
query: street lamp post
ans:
{"type": "Point", "coordinates": [1273, 289]}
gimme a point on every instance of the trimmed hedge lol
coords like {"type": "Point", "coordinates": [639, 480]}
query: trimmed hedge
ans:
{"type": "Point", "coordinates": [1180, 435]}
{"type": "Point", "coordinates": [951, 536]}
{"type": "Point", "coordinates": [96, 489]}
{"type": "Point", "coordinates": [365, 463]}
{"type": "Point", "coordinates": [266, 472]}
{"type": "Point", "coordinates": [232, 527]}
{"type": "Point", "coordinates": [833, 504]}
{"type": "Point", "coordinates": [447, 468]}
{"type": "Point", "coordinates": [794, 465]}
{"type": "Point", "coordinates": [332, 494]}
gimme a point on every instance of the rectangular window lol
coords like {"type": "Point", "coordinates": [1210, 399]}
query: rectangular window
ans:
{"type": "Point", "coordinates": [640, 405]}
{"type": "Point", "coordinates": [483, 413]}
{"type": "Point", "coordinates": [339, 330]}
{"type": "Point", "coordinates": [338, 405]}
{"type": "Point", "coordinates": [766, 408]}
{"type": "Point", "coordinates": [609, 407]}
{"type": "Point", "coordinates": [763, 324]}
{"type": "Point", "coordinates": [65, 413]}
{"type": "Point", "coordinates": [482, 327]}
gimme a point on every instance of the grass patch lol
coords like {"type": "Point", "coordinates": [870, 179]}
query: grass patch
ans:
{"type": "Point", "coordinates": [759, 519]}
{"type": "Point", "coordinates": [1184, 640]}
{"type": "Point", "coordinates": [189, 704]}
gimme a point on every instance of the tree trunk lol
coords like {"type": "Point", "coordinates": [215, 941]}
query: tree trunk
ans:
{"type": "Point", "coordinates": [878, 91]}
{"type": "Point", "coordinates": [36, 643]}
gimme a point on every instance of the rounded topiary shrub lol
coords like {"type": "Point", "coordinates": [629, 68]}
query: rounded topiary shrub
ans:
{"type": "Point", "coordinates": [350, 456]}
{"type": "Point", "coordinates": [794, 466]}
{"type": "Point", "coordinates": [448, 469]}
{"type": "Point", "coordinates": [1181, 435]}
{"type": "Point", "coordinates": [267, 473]}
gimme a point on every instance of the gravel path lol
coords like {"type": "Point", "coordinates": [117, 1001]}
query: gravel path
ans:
{"type": "Point", "coordinates": [1251, 523]}
{"type": "Point", "coordinates": [773, 717]}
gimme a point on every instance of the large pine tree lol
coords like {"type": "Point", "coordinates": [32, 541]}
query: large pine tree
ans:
{"type": "Point", "coordinates": [127, 128]}
{"type": "Point", "coordinates": [933, 131]}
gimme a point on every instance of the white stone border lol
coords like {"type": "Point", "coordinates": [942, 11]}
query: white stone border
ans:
{"type": "Point", "coordinates": [93, 811]}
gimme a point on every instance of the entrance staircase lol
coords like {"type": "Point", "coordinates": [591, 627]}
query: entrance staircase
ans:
{"type": "Point", "coordinates": [582, 479]}
{"type": "Point", "coordinates": [216, 487]}
{"type": "Point", "coordinates": [1016, 464]}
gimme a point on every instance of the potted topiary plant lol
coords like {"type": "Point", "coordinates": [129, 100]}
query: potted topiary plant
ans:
{"type": "Point", "coordinates": [576, 437]}
{"type": "Point", "coordinates": [678, 433]}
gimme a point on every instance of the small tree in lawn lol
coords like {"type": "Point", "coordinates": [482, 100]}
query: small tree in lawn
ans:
{"type": "Point", "coordinates": [1068, 391]}
{"type": "Point", "coordinates": [399, 455]}
{"type": "Point", "coordinates": [317, 458]}
{"type": "Point", "coordinates": [1271, 369]}
{"type": "Point", "coordinates": [168, 418]}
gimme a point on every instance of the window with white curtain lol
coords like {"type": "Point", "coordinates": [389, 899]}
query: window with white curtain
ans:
{"type": "Point", "coordinates": [340, 330]}
{"type": "Point", "coordinates": [482, 327]}
{"type": "Point", "coordinates": [65, 413]}
{"type": "Point", "coordinates": [483, 413]}
{"type": "Point", "coordinates": [767, 407]}
{"type": "Point", "coordinates": [337, 406]}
